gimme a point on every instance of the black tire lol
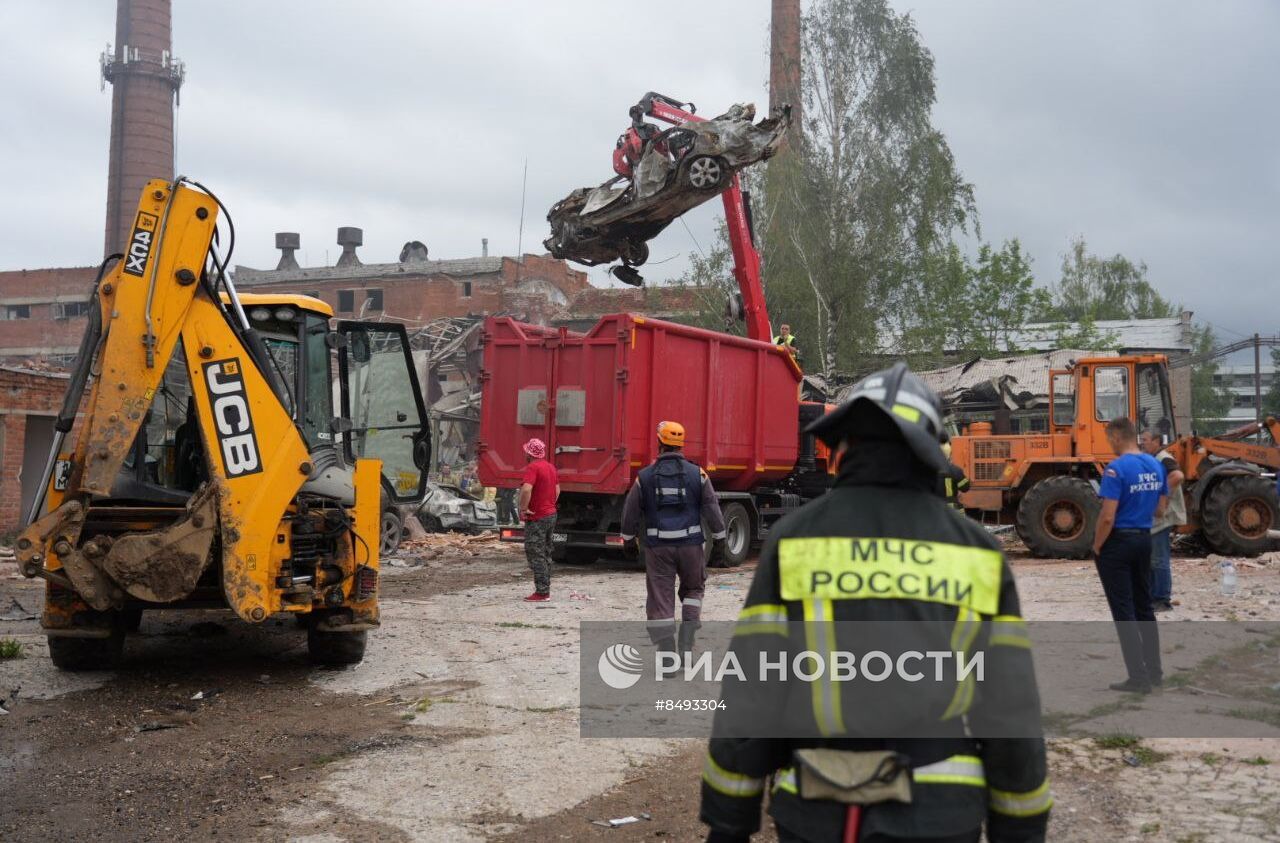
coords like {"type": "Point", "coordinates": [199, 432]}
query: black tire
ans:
{"type": "Point", "coordinates": [76, 654]}
{"type": "Point", "coordinates": [131, 619]}
{"type": "Point", "coordinates": [1237, 513]}
{"type": "Point", "coordinates": [575, 556]}
{"type": "Point", "coordinates": [737, 522]}
{"type": "Point", "coordinates": [635, 253]}
{"type": "Point", "coordinates": [1056, 518]}
{"type": "Point", "coordinates": [391, 531]}
{"type": "Point", "coordinates": [705, 172]}
{"type": "Point", "coordinates": [334, 649]}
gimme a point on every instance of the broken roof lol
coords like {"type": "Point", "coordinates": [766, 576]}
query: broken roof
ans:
{"type": "Point", "coordinates": [248, 277]}
{"type": "Point", "coordinates": [1015, 381]}
{"type": "Point", "coordinates": [1133, 334]}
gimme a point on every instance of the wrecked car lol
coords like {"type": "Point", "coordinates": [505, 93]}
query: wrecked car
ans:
{"type": "Point", "coordinates": [675, 170]}
{"type": "Point", "coordinates": [447, 509]}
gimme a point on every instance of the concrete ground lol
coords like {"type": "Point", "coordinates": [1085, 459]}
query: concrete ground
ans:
{"type": "Point", "coordinates": [461, 723]}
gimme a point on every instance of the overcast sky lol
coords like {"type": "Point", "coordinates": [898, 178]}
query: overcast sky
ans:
{"type": "Point", "coordinates": [1151, 128]}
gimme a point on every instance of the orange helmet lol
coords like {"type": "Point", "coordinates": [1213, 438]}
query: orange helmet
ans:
{"type": "Point", "coordinates": [671, 433]}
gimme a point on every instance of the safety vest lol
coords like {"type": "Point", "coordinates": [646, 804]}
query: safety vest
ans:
{"type": "Point", "coordinates": [788, 342]}
{"type": "Point", "coordinates": [671, 497]}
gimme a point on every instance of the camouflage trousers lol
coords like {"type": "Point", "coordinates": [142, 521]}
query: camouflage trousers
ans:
{"type": "Point", "coordinates": [537, 549]}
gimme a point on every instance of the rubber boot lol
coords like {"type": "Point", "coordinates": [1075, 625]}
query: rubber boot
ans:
{"type": "Point", "coordinates": [688, 632]}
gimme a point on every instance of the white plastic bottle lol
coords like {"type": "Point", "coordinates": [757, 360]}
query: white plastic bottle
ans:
{"type": "Point", "coordinates": [1228, 579]}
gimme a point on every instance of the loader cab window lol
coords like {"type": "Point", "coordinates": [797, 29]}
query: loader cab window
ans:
{"type": "Point", "coordinates": [1111, 392]}
{"type": "Point", "coordinates": [1063, 409]}
{"type": "Point", "coordinates": [1155, 409]}
{"type": "Point", "coordinates": [317, 391]}
{"type": "Point", "coordinates": [383, 401]}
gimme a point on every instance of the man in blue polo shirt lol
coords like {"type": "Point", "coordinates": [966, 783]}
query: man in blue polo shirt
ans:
{"type": "Point", "coordinates": [1133, 491]}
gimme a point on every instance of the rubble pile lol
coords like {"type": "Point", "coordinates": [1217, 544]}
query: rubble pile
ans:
{"type": "Point", "coordinates": [449, 547]}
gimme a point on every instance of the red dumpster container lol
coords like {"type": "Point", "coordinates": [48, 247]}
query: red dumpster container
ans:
{"type": "Point", "coordinates": [596, 400]}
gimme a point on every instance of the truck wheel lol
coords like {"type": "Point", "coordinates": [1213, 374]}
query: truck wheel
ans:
{"type": "Point", "coordinates": [575, 556]}
{"type": "Point", "coordinates": [737, 525]}
{"type": "Point", "coordinates": [334, 649]}
{"type": "Point", "coordinates": [76, 654]}
{"type": "Point", "coordinates": [392, 531]}
{"type": "Point", "coordinates": [1057, 516]}
{"type": "Point", "coordinates": [1237, 513]}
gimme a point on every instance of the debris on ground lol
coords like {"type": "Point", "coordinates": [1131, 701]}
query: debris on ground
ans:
{"type": "Point", "coordinates": [17, 612]}
{"type": "Point", "coordinates": [451, 546]}
{"type": "Point", "coordinates": [621, 821]}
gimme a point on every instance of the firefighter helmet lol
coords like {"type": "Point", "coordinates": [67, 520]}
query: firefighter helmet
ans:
{"type": "Point", "coordinates": [891, 404]}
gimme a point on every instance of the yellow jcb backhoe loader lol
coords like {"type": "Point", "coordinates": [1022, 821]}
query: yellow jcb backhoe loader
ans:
{"type": "Point", "coordinates": [209, 467]}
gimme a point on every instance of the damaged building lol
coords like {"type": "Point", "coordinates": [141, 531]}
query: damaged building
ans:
{"type": "Point", "coordinates": [1012, 392]}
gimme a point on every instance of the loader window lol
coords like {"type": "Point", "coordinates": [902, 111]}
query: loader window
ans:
{"type": "Point", "coordinates": [1064, 399]}
{"type": "Point", "coordinates": [1111, 392]}
{"type": "Point", "coordinates": [317, 394]}
{"type": "Point", "coordinates": [1155, 410]}
{"type": "Point", "coordinates": [382, 398]}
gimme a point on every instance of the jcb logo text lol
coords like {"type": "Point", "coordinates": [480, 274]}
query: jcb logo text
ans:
{"type": "Point", "coordinates": [230, 405]}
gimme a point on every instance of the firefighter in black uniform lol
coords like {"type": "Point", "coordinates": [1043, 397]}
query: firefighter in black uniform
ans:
{"type": "Point", "coordinates": [952, 481]}
{"type": "Point", "coordinates": [883, 515]}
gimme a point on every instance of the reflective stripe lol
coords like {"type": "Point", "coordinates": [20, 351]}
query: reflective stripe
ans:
{"type": "Point", "coordinates": [775, 612]}
{"type": "Point", "coordinates": [626, 538]}
{"type": "Point", "coordinates": [669, 490]}
{"type": "Point", "coordinates": [910, 399]}
{"type": "Point", "coordinates": [691, 601]}
{"type": "Point", "coordinates": [661, 622]}
{"type": "Point", "coordinates": [958, 769]}
{"type": "Point", "coordinates": [820, 637]}
{"type": "Point", "coordinates": [762, 619]}
{"type": "Point", "coordinates": [695, 530]}
{"type": "Point", "coordinates": [1010, 631]}
{"type": "Point", "coordinates": [723, 534]}
{"type": "Point", "coordinates": [963, 633]}
{"type": "Point", "coordinates": [730, 784]}
{"type": "Point", "coordinates": [1026, 804]}
{"type": "Point", "coordinates": [845, 568]}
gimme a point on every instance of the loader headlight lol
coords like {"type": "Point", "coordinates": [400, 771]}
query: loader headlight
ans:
{"type": "Point", "coordinates": [260, 314]}
{"type": "Point", "coordinates": [285, 314]}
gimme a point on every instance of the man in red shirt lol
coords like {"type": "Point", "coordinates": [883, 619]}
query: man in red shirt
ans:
{"type": "Point", "coordinates": [538, 496]}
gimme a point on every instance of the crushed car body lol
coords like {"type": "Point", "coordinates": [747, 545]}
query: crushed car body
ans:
{"type": "Point", "coordinates": [661, 175]}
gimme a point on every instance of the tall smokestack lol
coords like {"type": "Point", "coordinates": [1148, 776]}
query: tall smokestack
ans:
{"type": "Point", "coordinates": [784, 59]}
{"type": "Point", "coordinates": [145, 79]}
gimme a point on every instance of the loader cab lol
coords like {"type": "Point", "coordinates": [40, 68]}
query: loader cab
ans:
{"type": "Point", "coordinates": [1104, 388]}
{"type": "Point", "coordinates": [373, 407]}
{"type": "Point", "coordinates": [379, 414]}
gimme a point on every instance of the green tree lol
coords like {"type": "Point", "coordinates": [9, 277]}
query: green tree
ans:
{"type": "Point", "coordinates": [1093, 288]}
{"type": "Point", "coordinates": [1208, 402]}
{"type": "Point", "coordinates": [869, 192]}
{"type": "Point", "coordinates": [1271, 401]}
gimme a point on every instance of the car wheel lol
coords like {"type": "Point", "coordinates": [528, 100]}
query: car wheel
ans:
{"type": "Point", "coordinates": [705, 172]}
{"type": "Point", "coordinates": [635, 253]}
{"type": "Point", "coordinates": [392, 532]}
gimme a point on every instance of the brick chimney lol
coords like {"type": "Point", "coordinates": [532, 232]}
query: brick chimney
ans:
{"type": "Point", "coordinates": [348, 238]}
{"type": "Point", "coordinates": [145, 79]}
{"type": "Point", "coordinates": [288, 242]}
{"type": "Point", "coordinates": [784, 58]}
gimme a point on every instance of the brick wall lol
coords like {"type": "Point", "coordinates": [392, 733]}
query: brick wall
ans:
{"type": "Point", "coordinates": [38, 290]}
{"type": "Point", "coordinates": [21, 393]}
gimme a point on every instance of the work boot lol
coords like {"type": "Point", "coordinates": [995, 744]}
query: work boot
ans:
{"type": "Point", "coordinates": [538, 597]}
{"type": "Point", "coordinates": [688, 632]}
{"type": "Point", "coordinates": [1131, 686]}
{"type": "Point", "coordinates": [666, 645]}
